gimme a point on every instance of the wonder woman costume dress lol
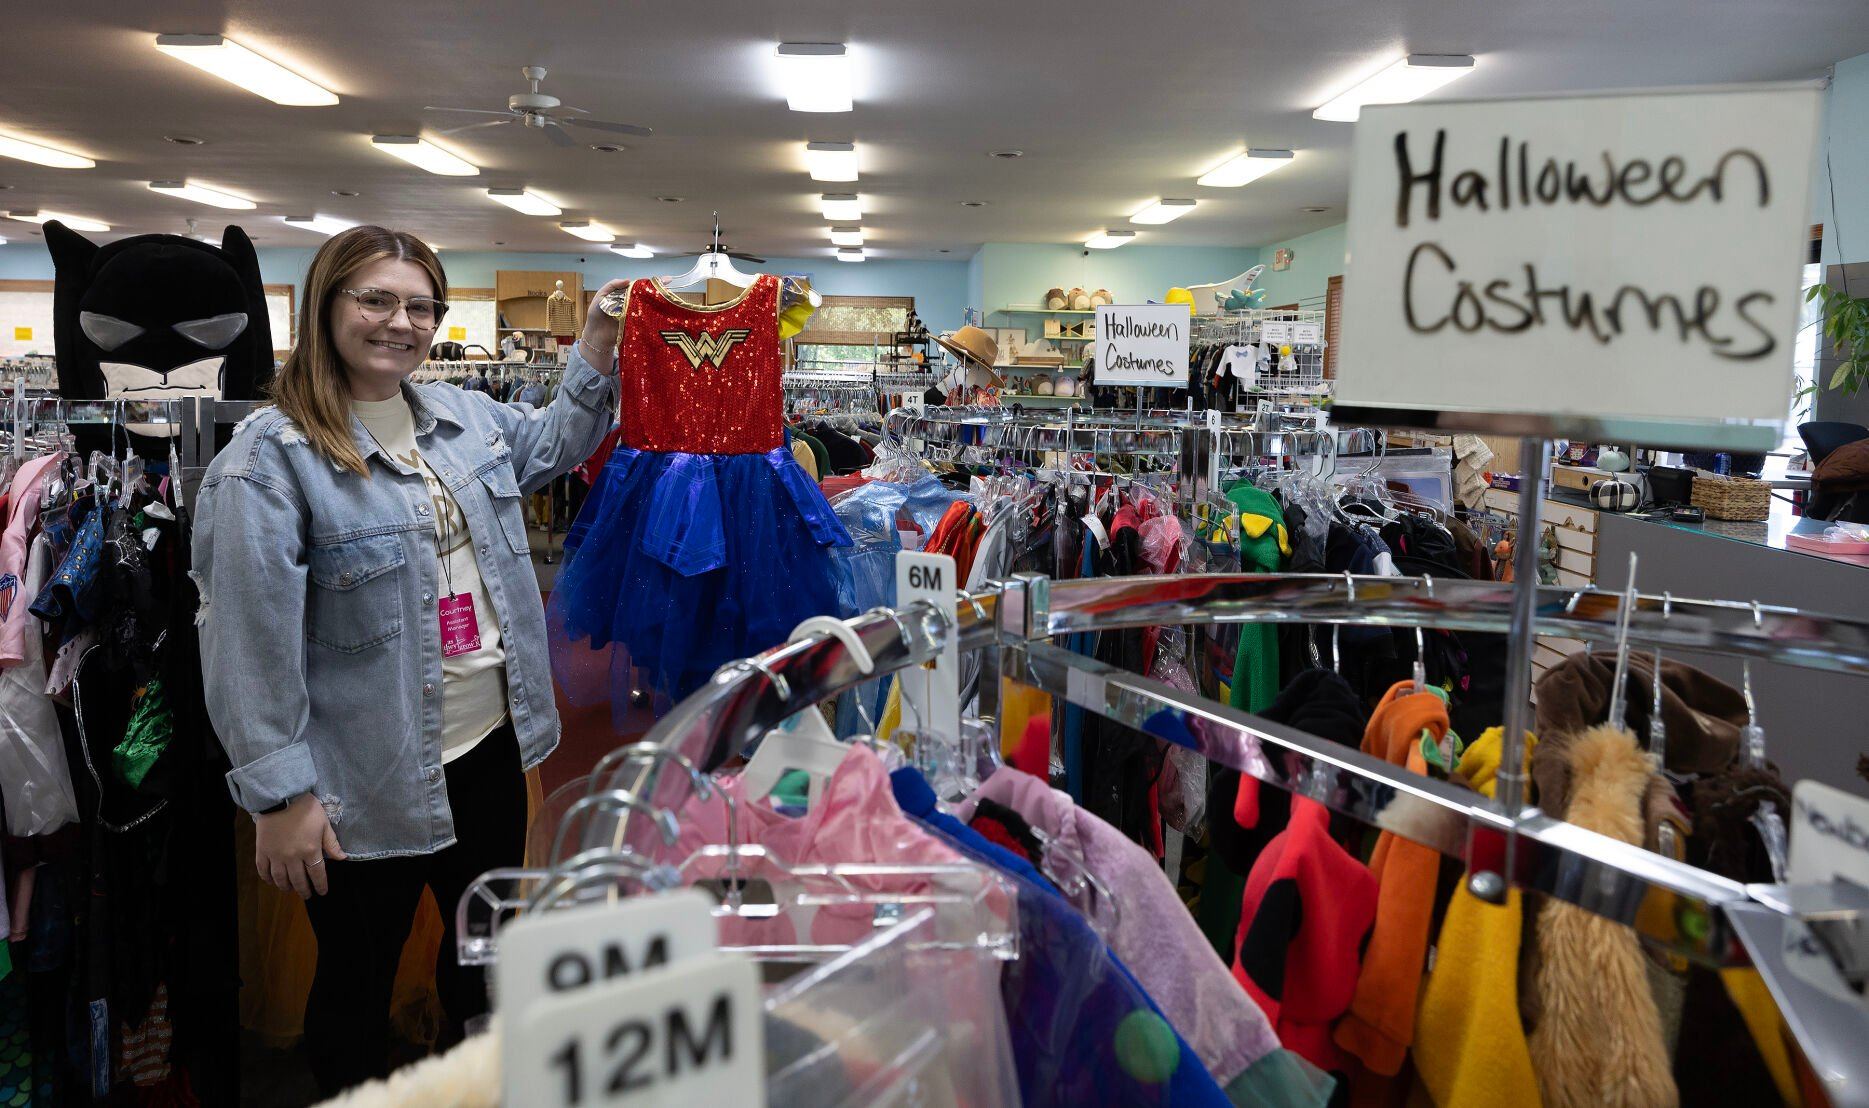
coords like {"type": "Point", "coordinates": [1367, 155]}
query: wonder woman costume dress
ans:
{"type": "Point", "coordinates": [702, 540]}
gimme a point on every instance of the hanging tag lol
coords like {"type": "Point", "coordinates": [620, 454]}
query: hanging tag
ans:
{"type": "Point", "coordinates": [460, 628]}
{"type": "Point", "coordinates": [689, 1033]}
{"type": "Point", "coordinates": [931, 693]}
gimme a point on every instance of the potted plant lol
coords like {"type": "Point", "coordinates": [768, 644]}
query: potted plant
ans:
{"type": "Point", "coordinates": [1846, 324]}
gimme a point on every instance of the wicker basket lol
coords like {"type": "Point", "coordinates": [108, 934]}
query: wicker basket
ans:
{"type": "Point", "coordinates": [1732, 498]}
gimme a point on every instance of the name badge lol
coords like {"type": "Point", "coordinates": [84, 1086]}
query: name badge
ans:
{"type": "Point", "coordinates": [460, 629]}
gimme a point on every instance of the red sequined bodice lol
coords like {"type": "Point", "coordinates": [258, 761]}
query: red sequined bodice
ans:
{"type": "Point", "coordinates": [702, 380]}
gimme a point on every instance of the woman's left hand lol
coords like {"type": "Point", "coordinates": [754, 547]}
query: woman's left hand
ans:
{"type": "Point", "coordinates": [600, 328]}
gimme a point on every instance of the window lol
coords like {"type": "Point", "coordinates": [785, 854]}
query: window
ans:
{"type": "Point", "coordinates": [849, 328]}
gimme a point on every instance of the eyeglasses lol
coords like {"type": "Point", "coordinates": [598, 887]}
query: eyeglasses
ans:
{"type": "Point", "coordinates": [376, 305]}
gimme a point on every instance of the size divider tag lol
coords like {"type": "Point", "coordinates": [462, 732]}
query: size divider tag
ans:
{"type": "Point", "coordinates": [685, 1034]}
{"type": "Point", "coordinates": [546, 954]}
{"type": "Point", "coordinates": [931, 694]}
{"type": "Point", "coordinates": [1829, 835]}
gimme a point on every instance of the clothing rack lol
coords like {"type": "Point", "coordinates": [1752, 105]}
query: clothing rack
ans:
{"type": "Point", "coordinates": [1502, 845]}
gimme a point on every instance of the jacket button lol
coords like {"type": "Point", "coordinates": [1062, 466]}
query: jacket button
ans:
{"type": "Point", "coordinates": [343, 578]}
{"type": "Point", "coordinates": [432, 774]}
{"type": "Point", "coordinates": [428, 598]}
{"type": "Point", "coordinates": [428, 689]}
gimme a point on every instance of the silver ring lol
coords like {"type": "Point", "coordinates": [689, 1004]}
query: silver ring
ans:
{"type": "Point", "coordinates": [319, 862]}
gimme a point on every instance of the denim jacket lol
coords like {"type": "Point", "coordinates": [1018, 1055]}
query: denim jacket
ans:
{"type": "Point", "coordinates": [320, 639]}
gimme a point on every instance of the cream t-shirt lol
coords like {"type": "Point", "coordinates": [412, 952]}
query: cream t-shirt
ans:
{"type": "Point", "coordinates": [473, 684]}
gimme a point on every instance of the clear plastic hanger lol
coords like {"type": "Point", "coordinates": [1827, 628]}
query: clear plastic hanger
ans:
{"type": "Point", "coordinates": [1766, 819]}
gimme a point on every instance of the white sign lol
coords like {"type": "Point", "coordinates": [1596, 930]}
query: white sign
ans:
{"type": "Point", "coordinates": [1143, 344]}
{"type": "Point", "coordinates": [1306, 334]}
{"type": "Point", "coordinates": [686, 1034]}
{"type": "Point", "coordinates": [548, 953]}
{"type": "Point", "coordinates": [1562, 262]}
{"type": "Point", "coordinates": [1274, 331]}
{"type": "Point", "coordinates": [1829, 835]}
{"type": "Point", "coordinates": [931, 693]}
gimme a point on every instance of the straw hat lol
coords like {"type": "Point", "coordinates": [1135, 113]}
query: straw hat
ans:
{"type": "Point", "coordinates": [976, 350]}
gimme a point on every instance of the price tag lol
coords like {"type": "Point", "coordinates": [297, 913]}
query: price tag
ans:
{"type": "Point", "coordinates": [1306, 334]}
{"type": "Point", "coordinates": [931, 695]}
{"type": "Point", "coordinates": [1276, 331]}
{"type": "Point", "coordinates": [545, 954]}
{"type": "Point", "coordinates": [686, 1034]}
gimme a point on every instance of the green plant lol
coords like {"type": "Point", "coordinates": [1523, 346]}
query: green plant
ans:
{"type": "Point", "coordinates": [1846, 324]}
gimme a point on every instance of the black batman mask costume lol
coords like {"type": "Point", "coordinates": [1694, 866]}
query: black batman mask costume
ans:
{"type": "Point", "coordinates": [159, 317]}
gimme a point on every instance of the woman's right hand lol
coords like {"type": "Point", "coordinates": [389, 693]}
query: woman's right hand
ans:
{"type": "Point", "coordinates": [290, 847]}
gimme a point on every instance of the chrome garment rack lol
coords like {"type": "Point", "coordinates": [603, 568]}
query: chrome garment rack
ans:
{"type": "Point", "coordinates": [1502, 845]}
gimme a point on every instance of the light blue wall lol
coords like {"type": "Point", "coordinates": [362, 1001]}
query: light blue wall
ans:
{"type": "Point", "coordinates": [1846, 141]}
{"type": "Point", "coordinates": [1317, 257]}
{"type": "Point", "coordinates": [939, 288]}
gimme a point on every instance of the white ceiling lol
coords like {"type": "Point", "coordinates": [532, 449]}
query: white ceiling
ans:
{"type": "Point", "coordinates": [1113, 102]}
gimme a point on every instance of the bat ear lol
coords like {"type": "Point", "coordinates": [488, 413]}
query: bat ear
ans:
{"type": "Point", "coordinates": [70, 250]}
{"type": "Point", "coordinates": [240, 253]}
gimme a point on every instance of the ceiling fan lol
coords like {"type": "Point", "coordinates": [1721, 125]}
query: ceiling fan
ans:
{"type": "Point", "coordinates": [721, 249]}
{"type": "Point", "coordinates": [536, 109]}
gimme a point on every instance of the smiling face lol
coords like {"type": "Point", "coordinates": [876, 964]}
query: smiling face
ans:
{"type": "Point", "coordinates": [376, 356]}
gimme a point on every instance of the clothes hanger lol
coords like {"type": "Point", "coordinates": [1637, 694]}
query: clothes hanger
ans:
{"type": "Point", "coordinates": [1769, 822]}
{"type": "Point", "coordinates": [1657, 728]}
{"type": "Point", "coordinates": [716, 265]}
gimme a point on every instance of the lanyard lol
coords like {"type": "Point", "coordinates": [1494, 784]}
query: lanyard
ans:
{"type": "Point", "coordinates": [446, 561]}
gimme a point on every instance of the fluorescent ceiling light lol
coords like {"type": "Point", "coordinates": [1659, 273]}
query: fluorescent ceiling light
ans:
{"type": "Point", "coordinates": [1108, 240]}
{"type": "Point", "coordinates": [1403, 80]}
{"type": "Point", "coordinates": [75, 222]}
{"type": "Point", "coordinates": [842, 206]}
{"type": "Point", "coordinates": [816, 76]}
{"type": "Point", "coordinates": [851, 254]}
{"type": "Point", "coordinates": [587, 230]}
{"type": "Point", "coordinates": [1162, 211]}
{"type": "Point", "coordinates": [234, 63]}
{"type": "Point", "coordinates": [523, 202]}
{"type": "Point", "coordinates": [423, 154]}
{"type": "Point", "coordinates": [632, 250]}
{"type": "Point", "coordinates": [846, 236]}
{"type": "Point", "coordinates": [1244, 169]}
{"type": "Point", "coordinates": [831, 161]}
{"type": "Point", "coordinates": [41, 155]}
{"type": "Point", "coordinates": [323, 224]}
{"type": "Point", "coordinates": [201, 194]}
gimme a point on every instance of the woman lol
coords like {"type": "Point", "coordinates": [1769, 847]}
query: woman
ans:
{"type": "Point", "coordinates": [372, 636]}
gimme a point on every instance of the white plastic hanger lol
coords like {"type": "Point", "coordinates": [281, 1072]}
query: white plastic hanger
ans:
{"type": "Point", "coordinates": [805, 742]}
{"type": "Point", "coordinates": [715, 265]}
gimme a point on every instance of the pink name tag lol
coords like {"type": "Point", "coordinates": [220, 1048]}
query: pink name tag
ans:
{"type": "Point", "coordinates": [460, 630]}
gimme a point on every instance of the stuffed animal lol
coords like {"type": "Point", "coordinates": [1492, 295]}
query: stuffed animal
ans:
{"type": "Point", "coordinates": [1238, 300]}
{"type": "Point", "coordinates": [1054, 300]}
{"type": "Point", "coordinates": [158, 317]}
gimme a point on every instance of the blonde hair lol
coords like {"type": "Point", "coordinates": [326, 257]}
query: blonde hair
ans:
{"type": "Point", "coordinates": [310, 387]}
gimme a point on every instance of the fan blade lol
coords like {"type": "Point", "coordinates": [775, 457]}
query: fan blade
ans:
{"type": "Point", "coordinates": [557, 135]}
{"type": "Point", "coordinates": [747, 258]}
{"type": "Point", "coordinates": [477, 126]}
{"type": "Point", "coordinates": [606, 125]}
{"type": "Point", "coordinates": [468, 111]}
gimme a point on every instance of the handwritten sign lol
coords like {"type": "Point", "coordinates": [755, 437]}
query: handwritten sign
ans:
{"type": "Point", "coordinates": [1579, 264]}
{"type": "Point", "coordinates": [1143, 344]}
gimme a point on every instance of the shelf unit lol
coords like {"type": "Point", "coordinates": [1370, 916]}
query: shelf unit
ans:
{"type": "Point", "coordinates": [1033, 309]}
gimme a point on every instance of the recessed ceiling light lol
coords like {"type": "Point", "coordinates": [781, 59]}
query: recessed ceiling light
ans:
{"type": "Point", "coordinates": [423, 154]}
{"type": "Point", "coordinates": [184, 140]}
{"type": "Point", "coordinates": [234, 63]}
{"type": "Point", "coordinates": [850, 254]}
{"type": "Point", "coordinates": [606, 147]}
{"type": "Point", "coordinates": [831, 161]}
{"type": "Point", "coordinates": [1399, 82]}
{"type": "Point", "coordinates": [669, 199]}
{"type": "Point", "coordinates": [201, 194]}
{"type": "Point", "coordinates": [323, 224]}
{"type": "Point", "coordinates": [523, 202]}
{"type": "Point", "coordinates": [42, 155]}
{"type": "Point", "coordinates": [846, 236]}
{"type": "Point", "coordinates": [973, 203]}
{"type": "Point", "coordinates": [844, 207]}
{"type": "Point", "coordinates": [1108, 240]}
{"type": "Point", "coordinates": [343, 192]}
{"type": "Point", "coordinates": [632, 250]}
{"type": "Point", "coordinates": [1005, 153]}
{"type": "Point", "coordinates": [816, 76]}
{"type": "Point", "coordinates": [75, 222]}
{"type": "Point", "coordinates": [1243, 169]}
{"type": "Point", "coordinates": [1162, 211]}
{"type": "Point", "coordinates": [588, 230]}
{"type": "Point", "coordinates": [1314, 210]}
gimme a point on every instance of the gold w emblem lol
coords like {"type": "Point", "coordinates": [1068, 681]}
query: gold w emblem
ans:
{"type": "Point", "coordinates": [705, 347]}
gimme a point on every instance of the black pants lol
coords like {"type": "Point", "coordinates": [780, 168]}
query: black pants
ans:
{"type": "Point", "coordinates": [363, 921]}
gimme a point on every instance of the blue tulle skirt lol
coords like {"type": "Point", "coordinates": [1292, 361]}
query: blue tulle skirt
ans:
{"type": "Point", "coordinates": [680, 563]}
